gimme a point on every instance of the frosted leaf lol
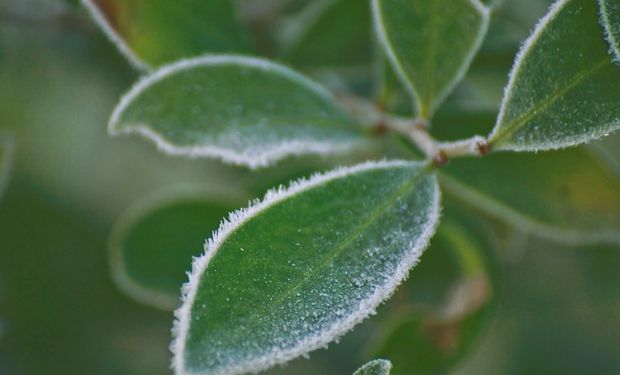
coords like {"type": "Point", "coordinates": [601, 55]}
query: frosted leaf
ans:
{"type": "Point", "coordinates": [376, 367]}
{"type": "Point", "coordinates": [275, 301]}
{"type": "Point", "coordinates": [430, 44]}
{"type": "Point", "coordinates": [564, 89]}
{"type": "Point", "coordinates": [244, 111]}
{"type": "Point", "coordinates": [610, 18]}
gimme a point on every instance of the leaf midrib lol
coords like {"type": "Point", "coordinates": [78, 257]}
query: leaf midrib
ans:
{"type": "Point", "coordinates": [374, 215]}
{"type": "Point", "coordinates": [518, 123]}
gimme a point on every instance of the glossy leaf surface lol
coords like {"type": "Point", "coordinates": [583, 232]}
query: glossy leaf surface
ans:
{"type": "Point", "coordinates": [242, 110]}
{"type": "Point", "coordinates": [151, 33]}
{"type": "Point", "coordinates": [430, 44]}
{"type": "Point", "coordinates": [299, 269]}
{"type": "Point", "coordinates": [564, 88]}
{"type": "Point", "coordinates": [153, 243]}
{"type": "Point", "coordinates": [376, 367]}
{"type": "Point", "coordinates": [610, 18]}
{"type": "Point", "coordinates": [568, 195]}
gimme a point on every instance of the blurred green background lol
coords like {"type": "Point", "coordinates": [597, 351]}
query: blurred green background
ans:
{"type": "Point", "coordinates": [557, 308]}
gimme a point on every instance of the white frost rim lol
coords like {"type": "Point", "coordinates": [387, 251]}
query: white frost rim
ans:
{"type": "Point", "coordinates": [384, 40]}
{"type": "Point", "coordinates": [7, 144]}
{"type": "Point", "coordinates": [554, 10]}
{"type": "Point", "coordinates": [252, 160]}
{"type": "Point", "coordinates": [134, 214]}
{"type": "Point", "coordinates": [238, 218]}
{"type": "Point", "coordinates": [526, 47]}
{"type": "Point", "coordinates": [614, 44]}
{"type": "Point", "coordinates": [382, 365]}
{"type": "Point", "coordinates": [114, 37]}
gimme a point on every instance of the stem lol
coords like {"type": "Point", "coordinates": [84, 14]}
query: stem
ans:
{"type": "Point", "coordinates": [416, 130]}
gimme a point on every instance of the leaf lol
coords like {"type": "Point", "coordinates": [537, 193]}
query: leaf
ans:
{"type": "Point", "coordinates": [430, 44]}
{"type": "Point", "coordinates": [569, 195]}
{"type": "Point", "coordinates": [155, 32]}
{"type": "Point", "coordinates": [564, 89]}
{"type": "Point", "coordinates": [376, 367]}
{"type": "Point", "coordinates": [244, 111]}
{"type": "Point", "coordinates": [7, 150]}
{"type": "Point", "coordinates": [440, 312]}
{"type": "Point", "coordinates": [292, 273]}
{"type": "Point", "coordinates": [153, 243]}
{"type": "Point", "coordinates": [610, 18]}
{"type": "Point", "coordinates": [336, 35]}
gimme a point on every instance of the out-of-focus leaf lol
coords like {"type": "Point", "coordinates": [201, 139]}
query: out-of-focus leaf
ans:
{"type": "Point", "coordinates": [430, 44]}
{"type": "Point", "coordinates": [564, 89]}
{"type": "Point", "coordinates": [151, 33]}
{"type": "Point", "coordinates": [432, 331]}
{"type": "Point", "coordinates": [294, 272]}
{"type": "Point", "coordinates": [376, 367]}
{"type": "Point", "coordinates": [7, 149]}
{"type": "Point", "coordinates": [339, 35]}
{"type": "Point", "coordinates": [610, 18]}
{"type": "Point", "coordinates": [242, 110]}
{"type": "Point", "coordinates": [153, 243]}
{"type": "Point", "coordinates": [567, 195]}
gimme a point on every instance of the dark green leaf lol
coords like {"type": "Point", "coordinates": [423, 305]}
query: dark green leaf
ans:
{"type": "Point", "coordinates": [564, 88]}
{"type": "Point", "coordinates": [568, 195]}
{"type": "Point", "coordinates": [242, 110]}
{"type": "Point", "coordinates": [299, 269]}
{"type": "Point", "coordinates": [153, 243]}
{"type": "Point", "coordinates": [155, 32]}
{"type": "Point", "coordinates": [610, 18]}
{"type": "Point", "coordinates": [376, 367]}
{"type": "Point", "coordinates": [430, 44]}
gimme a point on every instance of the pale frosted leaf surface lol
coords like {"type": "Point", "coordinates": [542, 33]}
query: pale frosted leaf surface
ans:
{"type": "Point", "coordinates": [564, 88]}
{"type": "Point", "coordinates": [430, 43]}
{"type": "Point", "coordinates": [242, 110]}
{"type": "Point", "coordinates": [153, 243]}
{"type": "Point", "coordinates": [299, 269]}
{"type": "Point", "coordinates": [610, 18]}
{"type": "Point", "coordinates": [568, 195]}
{"type": "Point", "coordinates": [151, 33]}
{"type": "Point", "coordinates": [7, 150]}
{"type": "Point", "coordinates": [376, 367]}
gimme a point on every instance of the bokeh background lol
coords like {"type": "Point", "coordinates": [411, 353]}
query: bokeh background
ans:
{"type": "Point", "coordinates": [556, 307]}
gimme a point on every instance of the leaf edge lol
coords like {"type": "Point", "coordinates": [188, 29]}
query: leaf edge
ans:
{"type": "Point", "coordinates": [295, 148]}
{"type": "Point", "coordinates": [182, 314]}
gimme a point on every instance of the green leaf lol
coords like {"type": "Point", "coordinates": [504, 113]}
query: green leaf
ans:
{"type": "Point", "coordinates": [299, 269]}
{"type": "Point", "coordinates": [430, 332]}
{"type": "Point", "coordinates": [244, 111]}
{"type": "Point", "coordinates": [376, 367]}
{"type": "Point", "coordinates": [153, 243]}
{"type": "Point", "coordinates": [337, 34]}
{"type": "Point", "coordinates": [152, 33]}
{"type": "Point", "coordinates": [610, 18]}
{"type": "Point", "coordinates": [430, 44]}
{"type": "Point", "coordinates": [569, 195]}
{"type": "Point", "coordinates": [7, 150]}
{"type": "Point", "coordinates": [564, 89]}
